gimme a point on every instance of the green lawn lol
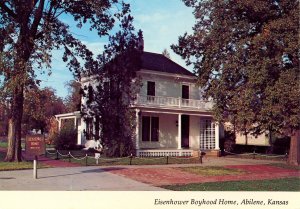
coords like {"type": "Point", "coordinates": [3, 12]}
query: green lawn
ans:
{"type": "Point", "coordinates": [284, 184]}
{"type": "Point", "coordinates": [258, 157]}
{"type": "Point", "coordinates": [6, 166]}
{"type": "Point", "coordinates": [284, 165]}
{"type": "Point", "coordinates": [3, 144]}
{"type": "Point", "coordinates": [211, 171]}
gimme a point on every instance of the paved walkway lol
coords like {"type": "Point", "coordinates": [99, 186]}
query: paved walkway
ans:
{"type": "Point", "coordinates": [70, 179]}
{"type": "Point", "coordinates": [69, 176]}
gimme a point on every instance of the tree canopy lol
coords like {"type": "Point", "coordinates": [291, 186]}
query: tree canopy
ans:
{"type": "Point", "coordinates": [30, 30]}
{"type": "Point", "coordinates": [112, 90]}
{"type": "Point", "coordinates": [73, 99]}
{"type": "Point", "coordinates": [40, 105]}
{"type": "Point", "coordinates": [246, 56]}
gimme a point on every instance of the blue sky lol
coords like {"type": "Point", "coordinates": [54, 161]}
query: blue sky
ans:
{"type": "Point", "coordinates": [162, 22]}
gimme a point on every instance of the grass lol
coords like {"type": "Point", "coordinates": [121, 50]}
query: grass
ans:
{"type": "Point", "coordinates": [3, 144]}
{"type": "Point", "coordinates": [286, 166]}
{"type": "Point", "coordinates": [7, 166]}
{"type": "Point", "coordinates": [258, 157]}
{"type": "Point", "coordinates": [211, 171]}
{"type": "Point", "coordinates": [124, 161]}
{"type": "Point", "coordinates": [284, 184]}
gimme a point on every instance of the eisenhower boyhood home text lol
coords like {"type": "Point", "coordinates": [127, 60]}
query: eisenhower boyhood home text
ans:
{"type": "Point", "coordinates": [220, 202]}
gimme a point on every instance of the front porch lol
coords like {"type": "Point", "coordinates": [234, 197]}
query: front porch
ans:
{"type": "Point", "coordinates": [168, 133]}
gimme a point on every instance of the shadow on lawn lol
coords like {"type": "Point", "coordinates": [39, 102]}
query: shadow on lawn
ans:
{"type": "Point", "coordinates": [97, 170]}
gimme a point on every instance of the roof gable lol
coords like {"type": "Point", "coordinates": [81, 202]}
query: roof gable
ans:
{"type": "Point", "coordinates": [158, 62]}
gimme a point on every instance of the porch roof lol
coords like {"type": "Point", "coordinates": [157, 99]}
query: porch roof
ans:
{"type": "Point", "coordinates": [75, 114]}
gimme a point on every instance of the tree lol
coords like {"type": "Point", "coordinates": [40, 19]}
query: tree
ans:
{"type": "Point", "coordinates": [73, 100]}
{"type": "Point", "coordinates": [40, 105]}
{"type": "Point", "coordinates": [166, 53]}
{"type": "Point", "coordinates": [30, 30]}
{"type": "Point", "coordinates": [246, 56]}
{"type": "Point", "coordinates": [108, 102]}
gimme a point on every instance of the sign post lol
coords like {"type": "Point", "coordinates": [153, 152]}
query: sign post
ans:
{"type": "Point", "coordinates": [35, 146]}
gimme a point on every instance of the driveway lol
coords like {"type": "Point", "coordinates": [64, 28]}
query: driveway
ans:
{"type": "Point", "coordinates": [70, 179]}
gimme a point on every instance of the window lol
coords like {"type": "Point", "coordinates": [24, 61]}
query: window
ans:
{"type": "Point", "coordinates": [150, 128]}
{"type": "Point", "coordinates": [207, 134]}
{"type": "Point", "coordinates": [185, 92]}
{"type": "Point", "coordinates": [89, 128]}
{"type": "Point", "coordinates": [154, 128]}
{"type": "Point", "coordinates": [150, 88]}
{"type": "Point", "coordinates": [145, 128]}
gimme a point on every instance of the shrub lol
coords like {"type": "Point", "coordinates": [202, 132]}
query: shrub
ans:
{"type": "Point", "coordinates": [66, 138]}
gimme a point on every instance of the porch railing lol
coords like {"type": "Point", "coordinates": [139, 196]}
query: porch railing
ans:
{"type": "Point", "coordinates": [178, 102]}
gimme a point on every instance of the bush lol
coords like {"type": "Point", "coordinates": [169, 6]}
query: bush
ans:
{"type": "Point", "coordinates": [280, 146]}
{"type": "Point", "coordinates": [66, 139]}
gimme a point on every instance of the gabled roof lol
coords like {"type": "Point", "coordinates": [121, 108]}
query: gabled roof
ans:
{"type": "Point", "coordinates": [158, 62]}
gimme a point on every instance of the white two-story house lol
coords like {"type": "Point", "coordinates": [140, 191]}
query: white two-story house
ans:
{"type": "Point", "coordinates": [171, 117]}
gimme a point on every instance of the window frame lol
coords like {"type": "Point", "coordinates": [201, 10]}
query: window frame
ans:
{"type": "Point", "coordinates": [150, 129]}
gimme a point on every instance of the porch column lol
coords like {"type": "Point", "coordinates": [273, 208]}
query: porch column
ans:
{"type": "Point", "coordinates": [179, 131]}
{"type": "Point", "coordinates": [217, 147]}
{"type": "Point", "coordinates": [59, 124]}
{"type": "Point", "coordinates": [137, 129]}
{"type": "Point", "coordinates": [75, 122]}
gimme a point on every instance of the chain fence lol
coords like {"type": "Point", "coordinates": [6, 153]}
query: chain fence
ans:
{"type": "Point", "coordinates": [255, 155]}
{"type": "Point", "coordinates": [129, 160]}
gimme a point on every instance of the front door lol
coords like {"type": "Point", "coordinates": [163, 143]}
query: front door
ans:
{"type": "Point", "coordinates": [185, 131]}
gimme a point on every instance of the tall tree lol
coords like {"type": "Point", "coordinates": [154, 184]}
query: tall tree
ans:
{"type": "Point", "coordinates": [40, 105]}
{"type": "Point", "coordinates": [108, 100]}
{"type": "Point", "coordinates": [166, 53]}
{"type": "Point", "coordinates": [247, 58]}
{"type": "Point", "coordinates": [30, 30]}
{"type": "Point", "coordinates": [73, 99]}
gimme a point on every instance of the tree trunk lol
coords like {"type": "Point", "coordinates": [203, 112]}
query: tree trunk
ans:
{"type": "Point", "coordinates": [294, 154]}
{"type": "Point", "coordinates": [14, 149]}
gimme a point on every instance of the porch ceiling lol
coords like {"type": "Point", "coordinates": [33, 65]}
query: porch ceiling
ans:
{"type": "Point", "coordinates": [174, 111]}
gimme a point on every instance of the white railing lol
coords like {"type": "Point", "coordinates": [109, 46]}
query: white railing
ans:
{"type": "Point", "coordinates": [164, 153]}
{"type": "Point", "coordinates": [172, 102]}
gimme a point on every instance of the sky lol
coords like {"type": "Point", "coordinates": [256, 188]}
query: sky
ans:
{"type": "Point", "coordinates": [162, 22]}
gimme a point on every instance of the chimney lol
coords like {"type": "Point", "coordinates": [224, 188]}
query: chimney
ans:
{"type": "Point", "coordinates": [141, 41]}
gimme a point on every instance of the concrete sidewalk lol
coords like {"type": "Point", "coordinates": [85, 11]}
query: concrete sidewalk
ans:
{"type": "Point", "coordinates": [70, 179]}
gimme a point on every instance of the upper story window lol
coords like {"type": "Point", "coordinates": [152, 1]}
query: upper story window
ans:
{"type": "Point", "coordinates": [185, 92]}
{"type": "Point", "coordinates": [150, 88]}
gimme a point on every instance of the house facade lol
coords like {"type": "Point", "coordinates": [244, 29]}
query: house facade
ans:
{"type": "Point", "coordinates": [171, 116]}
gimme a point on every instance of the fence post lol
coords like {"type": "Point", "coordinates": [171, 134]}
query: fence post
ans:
{"type": "Point", "coordinates": [200, 157]}
{"type": "Point", "coordinates": [69, 155]}
{"type": "Point", "coordinates": [167, 158]}
{"type": "Point", "coordinates": [253, 154]}
{"type": "Point", "coordinates": [130, 162]}
{"type": "Point", "coordinates": [45, 153]}
{"type": "Point", "coordinates": [86, 160]}
{"type": "Point", "coordinates": [35, 162]}
{"type": "Point", "coordinates": [57, 158]}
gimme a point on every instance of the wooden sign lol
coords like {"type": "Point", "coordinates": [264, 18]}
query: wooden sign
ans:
{"type": "Point", "coordinates": [35, 145]}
